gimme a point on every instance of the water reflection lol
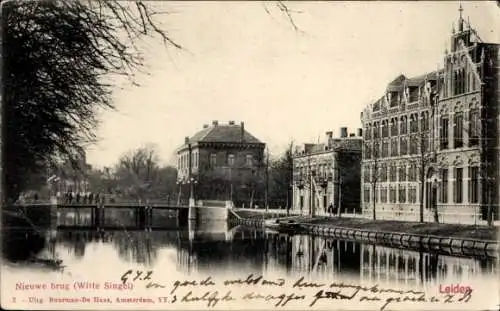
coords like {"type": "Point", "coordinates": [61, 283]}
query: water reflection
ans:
{"type": "Point", "coordinates": [214, 249]}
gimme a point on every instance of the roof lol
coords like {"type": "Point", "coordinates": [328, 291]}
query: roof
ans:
{"type": "Point", "coordinates": [223, 133]}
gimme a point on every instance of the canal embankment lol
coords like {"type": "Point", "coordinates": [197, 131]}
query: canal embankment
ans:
{"type": "Point", "coordinates": [449, 238]}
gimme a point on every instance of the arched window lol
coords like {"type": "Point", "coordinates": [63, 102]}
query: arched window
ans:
{"type": "Point", "coordinates": [413, 123]}
{"type": "Point", "coordinates": [394, 127]}
{"type": "Point", "coordinates": [424, 126]}
{"type": "Point", "coordinates": [385, 128]}
{"type": "Point", "coordinates": [403, 125]}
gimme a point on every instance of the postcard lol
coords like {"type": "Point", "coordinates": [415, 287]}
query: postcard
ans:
{"type": "Point", "coordinates": [250, 155]}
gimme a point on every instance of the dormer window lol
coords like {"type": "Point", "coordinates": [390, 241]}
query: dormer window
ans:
{"type": "Point", "coordinates": [393, 99]}
{"type": "Point", "coordinates": [413, 94]}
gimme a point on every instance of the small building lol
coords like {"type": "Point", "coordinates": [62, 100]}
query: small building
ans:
{"type": "Point", "coordinates": [222, 162]}
{"type": "Point", "coordinates": [327, 176]}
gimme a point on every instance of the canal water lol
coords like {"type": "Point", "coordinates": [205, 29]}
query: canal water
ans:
{"type": "Point", "coordinates": [221, 252]}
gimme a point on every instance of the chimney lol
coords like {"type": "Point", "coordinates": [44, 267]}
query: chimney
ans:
{"type": "Point", "coordinates": [231, 122]}
{"type": "Point", "coordinates": [242, 131]}
{"type": "Point", "coordinates": [215, 122]}
{"type": "Point", "coordinates": [343, 132]}
{"type": "Point", "coordinates": [360, 132]}
{"type": "Point", "coordinates": [329, 136]}
{"type": "Point", "coordinates": [186, 140]}
{"type": "Point", "coordinates": [205, 126]}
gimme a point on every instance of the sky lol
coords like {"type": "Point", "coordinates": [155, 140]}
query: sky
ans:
{"type": "Point", "coordinates": [244, 61]}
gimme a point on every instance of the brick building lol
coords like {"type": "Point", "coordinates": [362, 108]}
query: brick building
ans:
{"type": "Point", "coordinates": [223, 162]}
{"type": "Point", "coordinates": [328, 174]}
{"type": "Point", "coordinates": [434, 139]}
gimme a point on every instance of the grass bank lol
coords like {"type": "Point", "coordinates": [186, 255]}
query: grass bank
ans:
{"type": "Point", "coordinates": [435, 229]}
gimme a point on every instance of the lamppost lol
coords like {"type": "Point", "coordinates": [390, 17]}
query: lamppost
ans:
{"type": "Point", "coordinates": [179, 183]}
{"type": "Point", "coordinates": [192, 182]}
{"type": "Point", "coordinates": [323, 182]}
{"type": "Point", "coordinates": [300, 185]}
{"type": "Point", "coordinates": [313, 192]}
{"type": "Point", "coordinates": [435, 183]}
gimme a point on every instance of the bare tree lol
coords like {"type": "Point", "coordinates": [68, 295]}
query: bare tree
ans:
{"type": "Point", "coordinates": [422, 156]}
{"type": "Point", "coordinates": [372, 152]}
{"type": "Point", "coordinates": [141, 176]}
{"type": "Point", "coordinates": [56, 55]}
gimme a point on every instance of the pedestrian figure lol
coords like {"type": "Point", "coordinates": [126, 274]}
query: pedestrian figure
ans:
{"type": "Point", "coordinates": [91, 198]}
{"type": "Point", "coordinates": [70, 197]}
{"type": "Point", "coordinates": [330, 208]}
{"type": "Point", "coordinates": [77, 197]}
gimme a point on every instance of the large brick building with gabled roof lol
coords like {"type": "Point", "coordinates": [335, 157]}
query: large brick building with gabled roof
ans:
{"type": "Point", "coordinates": [224, 162]}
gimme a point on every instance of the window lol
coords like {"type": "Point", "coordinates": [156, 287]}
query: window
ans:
{"type": "Point", "coordinates": [424, 122]}
{"type": "Point", "coordinates": [366, 194]}
{"type": "Point", "coordinates": [213, 160]}
{"type": "Point", "coordinates": [444, 186]}
{"type": "Point", "coordinates": [443, 132]}
{"type": "Point", "coordinates": [412, 173]}
{"type": "Point", "coordinates": [394, 99]}
{"type": "Point", "coordinates": [367, 130]}
{"type": "Point", "coordinates": [394, 127]}
{"type": "Point", "coordinates": [392, 194]}
{"type": "Point", "coordinates": [394, 147]}
{"type": "Point", "coordinates": [458, 141]}
{"type": "Point", "coordinates": [249, 160]}
{"type": "Point", "coordinates": [413, 92]}
{"type": "Point", "coordinates": [385, 148]}
{"type": "Point", "coordinates": [473, 127]}
{"type": "Point", "coordinates": [383, 173]}
{"type": "Point", "coordinates": [376, 150]}
{"type": "Point", "coordinates": [403, 145]}
{"type": "Point", "coordinates": [366, 174]}
{"type": "Point", "coordinates": [230, 159]}
{"type": "Point", "coordinates": [413, 123]}
{"type": "Point", "coordinates": [383, 194]}
{"type": "Point", "coordinates": [402, 194]}
{"type": "Point", "coordinates": [473, 184]}
{"type": "Point", "coordinates": [376, 130]}
{"type": "Point", "coordinates": [459, 81]}
{"type": "Point", "coordinates": [425, 143]}
{"type": "Point", "coordinates": [385, 128]}
{"type": "Point", "coordinates": [458, 172]}
{"type": "Point", "coordinates": [412, 195]}
{"type": "Point", "coordinates": [368, 150]}
{"type": "Point", "coordinates": [402, 173]}
{"type": "Point", "coordinates": [413, 144]}
{"type": "Point", "coordinates": [324, 202]}
{"type": "Point", "coordinates": [392, 173]}
{"type": "Point", "coordinates": [301, 202]}
{"type": "Point", "coordinates": [403, 126]}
